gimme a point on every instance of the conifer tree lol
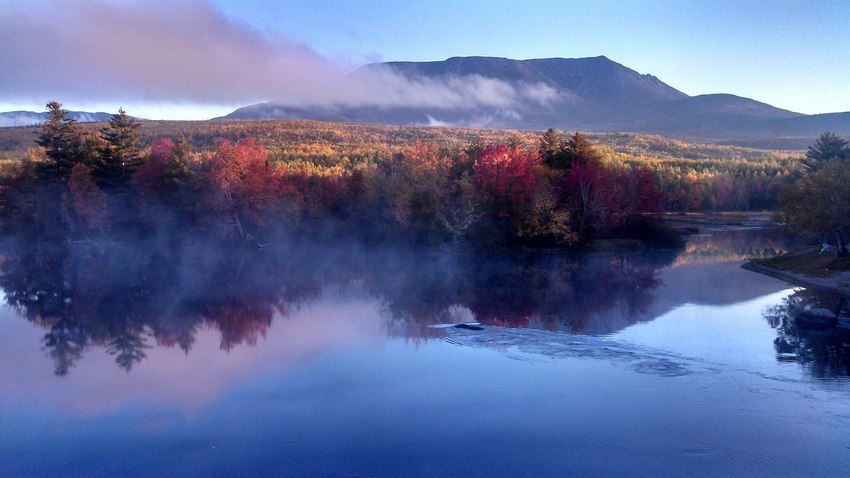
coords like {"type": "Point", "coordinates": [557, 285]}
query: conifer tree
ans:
{"type": "Point", "coordinates": [552, 149]}
{"type": "Point", "coordinates": [61, 139]}
{"type": "Point", "coordinates": [579, 149]}
{"type": "Point", "coordinates": [121, 156]}
{"type": "Point", "coordinates": [828, 146]}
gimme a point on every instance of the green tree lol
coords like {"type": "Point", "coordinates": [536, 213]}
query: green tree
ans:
{"type": "Point", "coordinates": [579, 149]}
{"type": "Point", "coordinates": [828, 146]}
{"type": "Point", "coordinates": [819, 203]}
{"type": "Point", "coordinates": [121, 156]}
{"type": "Point", "coordinates": [62, 140]}
{"type": "Point", "coordinates": [552, 149]}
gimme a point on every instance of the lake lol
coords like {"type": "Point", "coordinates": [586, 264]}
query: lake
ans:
{"type": "Point", "coordinates": [187, 359]}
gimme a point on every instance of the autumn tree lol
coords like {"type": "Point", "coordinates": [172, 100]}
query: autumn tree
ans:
{"type": "Point", "coordinates": [241, 186]}
{"type": "Point", "coordinates": [433, 192]}
{"type": "Point", "coordinates": [166, 173]}
{"type": "Point", "coordinates": [89, 201]}
{"type": "Point", "coordinates": [819, 203]}
{"type": "Point", "coordinates": [412, 184]}
{"type": "Point", "coordinates": [583, 191]}
{"type": "Point", "coordinates": [507, 182]}
{"type": "Point", "coordinates": [629, 194]}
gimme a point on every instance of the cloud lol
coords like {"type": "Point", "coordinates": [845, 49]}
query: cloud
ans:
{"type": "Point", "coordinates": [159, 50]}
{"type": "Point", "coordinates": [189, 52]}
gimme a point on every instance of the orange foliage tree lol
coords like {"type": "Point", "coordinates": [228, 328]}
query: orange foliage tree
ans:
{"type": "Point", "coordinates": [241, 185]}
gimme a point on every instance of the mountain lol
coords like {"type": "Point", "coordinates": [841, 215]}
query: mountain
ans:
{"type": "Point", "coordinates": [27, 118]}
{"type": "Point", "coordinates": [596, 78]}
{"type": "Point", "coordinates": [588, 94]}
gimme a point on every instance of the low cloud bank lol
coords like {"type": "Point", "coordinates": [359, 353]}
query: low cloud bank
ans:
{"type": "Point", "coordinates": [189, 51]}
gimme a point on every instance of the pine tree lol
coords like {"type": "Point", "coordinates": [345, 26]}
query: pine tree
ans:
{"type": "Point", "coordinates": [579, 149]}
{"type": "Point", "coordinates": [828, 146]}
{"type": "Point", "coordinates": [121, 156]}
{"type": "Point", "coordinates": [62, 140]}
{"type": "Point", "coordinates": [552, 149]}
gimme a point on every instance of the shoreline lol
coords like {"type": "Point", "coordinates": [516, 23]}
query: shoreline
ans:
{"type": "Point", "coordinates": [838, 284]}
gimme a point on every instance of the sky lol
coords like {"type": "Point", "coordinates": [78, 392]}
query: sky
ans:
{"type": "Point", "coordinates": [196, 59]}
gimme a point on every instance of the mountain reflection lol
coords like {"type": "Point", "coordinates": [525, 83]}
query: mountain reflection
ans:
{"type": "Point", "coordinates": [822, 350]}
{"type": "Point", "coordinates": [128, 297]}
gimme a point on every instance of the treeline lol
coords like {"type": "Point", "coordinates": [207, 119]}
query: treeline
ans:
{"type": "Point", "coordinates": [103, 183]}
{"type": "Point", "coordinates": [691, 176]}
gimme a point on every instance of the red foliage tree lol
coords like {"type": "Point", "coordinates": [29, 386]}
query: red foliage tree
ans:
{"type": "Point", "coordinates": [505, 177]}
{"type": "Point", "coordinates": [240, 184]}
{"type": "Point", "coordinates": [629, 193]}
{"type": "Point", "coordinates": [583, 190]}
{"type": "Point", "coordinates": [150, 176]}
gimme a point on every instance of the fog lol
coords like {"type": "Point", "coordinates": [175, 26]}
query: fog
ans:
{"type": "Point", "coordinates": [171, 51]}
{"type": "Point", "coordinates": [181, 290]}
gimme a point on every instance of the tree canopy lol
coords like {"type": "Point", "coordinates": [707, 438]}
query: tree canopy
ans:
{"type": "Point", "coordinates": [819, 202]}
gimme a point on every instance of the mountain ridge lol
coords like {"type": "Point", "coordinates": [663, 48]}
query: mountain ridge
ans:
{"type": "Point", "coordinates": [592, 94]}
{"type": "Point", "coordinates": [595, 94]}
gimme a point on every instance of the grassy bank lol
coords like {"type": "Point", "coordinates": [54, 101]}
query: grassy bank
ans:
{"type": "Point", "coordinates": [809, 263]}
{"type": "Point", "coordinates": [822, 272]}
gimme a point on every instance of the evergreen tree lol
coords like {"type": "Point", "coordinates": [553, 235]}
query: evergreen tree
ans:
{"type": "Point", "coordinates": [121, 156]}
{"type": "Point", "coordinates": [91, 149]}
{"type": "Point", "coordinates": [828, 146]}
{"type": "Point", "coordinates": [579, 149]}
{"type": "Point", "coordinates": [180, 170]}
{"type": "Point", "coordinates": [61, 139]}
{"type": "Point", "coordinates": [552, 149]}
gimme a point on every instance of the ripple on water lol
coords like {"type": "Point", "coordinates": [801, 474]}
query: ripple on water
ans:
{"type": "Point", "coordinates": [530, 344]}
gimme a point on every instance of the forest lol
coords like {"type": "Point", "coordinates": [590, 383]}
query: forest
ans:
{"type": "Point", "coordinates": [259, 180]}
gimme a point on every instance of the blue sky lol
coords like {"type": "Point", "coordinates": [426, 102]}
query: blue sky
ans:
{"type": "Point", "coordinates": [791, 54]}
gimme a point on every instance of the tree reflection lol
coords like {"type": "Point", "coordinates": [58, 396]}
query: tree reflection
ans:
{"type": "Point", "coordinates": [127, 297]}
{"type": "Point", "coordinates": [596, 293]}
{"type": "Point", "coordinates": [821, 350]}
{"type": "Point", "coordinates": [733, 246]}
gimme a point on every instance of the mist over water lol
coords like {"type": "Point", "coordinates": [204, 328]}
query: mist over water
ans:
{"type": "Point", "coordinates": [301, 359]}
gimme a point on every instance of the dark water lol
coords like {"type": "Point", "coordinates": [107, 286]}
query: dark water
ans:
{"type": "Point", "coordinates": [191, 360]}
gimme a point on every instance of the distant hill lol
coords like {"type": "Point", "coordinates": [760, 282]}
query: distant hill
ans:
{"type": "Point", "coordinates": [593, 94]}
{"type": "Point", "coordinates": [27, 118]}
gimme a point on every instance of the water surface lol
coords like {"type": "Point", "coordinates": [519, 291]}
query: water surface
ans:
{"type": "Point", "coordinates": [121, 360]}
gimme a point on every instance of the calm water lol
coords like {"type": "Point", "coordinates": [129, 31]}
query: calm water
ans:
{"type": "Point", "coordinates": [120, 360]}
